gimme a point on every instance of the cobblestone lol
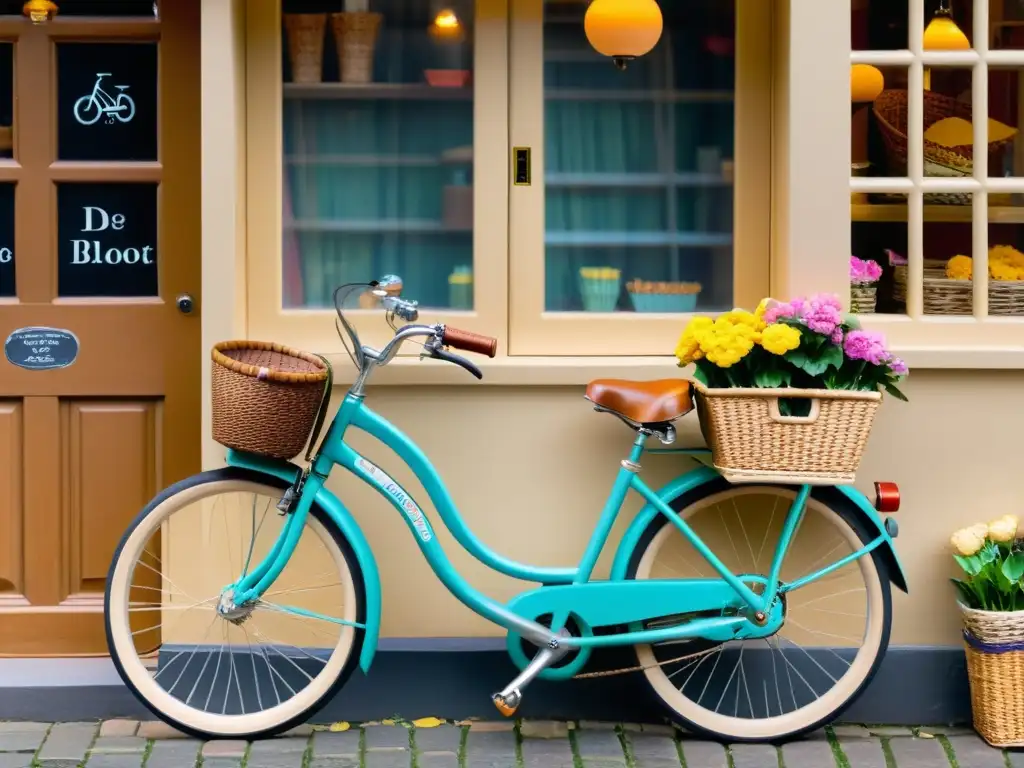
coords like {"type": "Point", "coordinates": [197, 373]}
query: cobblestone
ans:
{"type": "Point", "coordinates": [545, 744]}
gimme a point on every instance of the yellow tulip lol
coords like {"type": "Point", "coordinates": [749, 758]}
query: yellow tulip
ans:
{"type": "Point", "coordinates": [967, 541]}
{"type": "Point", "coordinates": [1004, 529]}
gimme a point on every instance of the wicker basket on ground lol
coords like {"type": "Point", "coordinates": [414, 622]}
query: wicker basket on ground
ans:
{"type": "Point", "coordinates": [752, 441]}
{"type": "Point", "coordinates": [268, 398]}
{"type": "Point", "coordinates": [890, 109]}
{"type": "Point", "coordinates": [994, 644]}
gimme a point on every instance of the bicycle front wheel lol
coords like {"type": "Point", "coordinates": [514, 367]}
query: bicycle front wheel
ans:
{"type": "Point", "coordinates": [263, 667]}
{"type": "Point", "coordinates": [835, 630]}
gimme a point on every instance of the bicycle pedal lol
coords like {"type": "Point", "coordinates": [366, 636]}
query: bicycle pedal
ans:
{"type": "Point", "coordinates": [507, 705]}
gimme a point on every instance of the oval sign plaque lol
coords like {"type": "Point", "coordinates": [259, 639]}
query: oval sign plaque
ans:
{"type": "Point", "coordinates": [41, 349]}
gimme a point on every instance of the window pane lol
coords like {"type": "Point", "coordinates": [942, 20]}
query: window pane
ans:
{"type": "Point", "coordinates": [107, 237]}
{"type": "Point", "coordinates": [878, 265]}
{"type": "Point", "coordinates": [639, 165]}
{"type": "Point", "coordinates": [107, 101]}
{"type": "Point", "coordinates": [6, 100]}
{"type": "Point", "coordinates": [879, 24]}
{"type": "Point", "coordinates": [378, 150]}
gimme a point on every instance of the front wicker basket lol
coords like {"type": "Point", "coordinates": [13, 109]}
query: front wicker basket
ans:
{"type": "Point", "coordinates": [994, 644]}
{"type": "Point", "coordinates": [752, 442]}
{"type": "Point", "coordinates": [266, 396]}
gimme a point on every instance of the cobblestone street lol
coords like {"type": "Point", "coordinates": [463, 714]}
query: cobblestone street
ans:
{"type": "Point", "coordinates": [529, 744]}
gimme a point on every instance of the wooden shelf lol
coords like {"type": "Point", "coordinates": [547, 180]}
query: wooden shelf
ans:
{"type": "Point", "coordinates": [374, 226]}
{"type": "Point", "coordinates": [643, 180]}
{"type": "Point", "coordinates": [612, 239]}
{"type": "Point", "coordinates": [637, 94]}
{"type": "Point", "coordinates": [935, 213]}
{"type": "Point", "coordinates": [376, 91]}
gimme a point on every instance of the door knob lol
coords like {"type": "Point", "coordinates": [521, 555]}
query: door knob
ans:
{"type": "Point", "coordinates": [186, 303]}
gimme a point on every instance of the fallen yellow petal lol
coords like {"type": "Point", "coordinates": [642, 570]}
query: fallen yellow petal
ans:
{"type": "Point", "coordinates": [389, 721]}
{"type": "Point", "coordinates": [428, 722]}
{"type": "Point", "coordinates": [340, 726]}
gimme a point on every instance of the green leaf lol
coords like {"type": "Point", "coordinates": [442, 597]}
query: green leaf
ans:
{"type": "Point", "coordinates": [1013, 566]}
{"type": "Point", "coordinates": [967, 596]}
{"type": "Point", "coordinates": [770, 378]}
{"type": "Point", "coordinates": [700, 375]}
{"type": "Point", "coordinates": [852, 322]}
{"type": "Point", "coordinates": [988, 553]}
{"type": "Point", "coordinates": [891, 389]}
{"type": "Point", "coordinates": [971, 565]}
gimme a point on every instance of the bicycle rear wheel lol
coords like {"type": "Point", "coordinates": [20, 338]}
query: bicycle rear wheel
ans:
{"type": "Point", "coordinates": [266, 665]}
{"type": "Point", "coordinates": [836, 628]}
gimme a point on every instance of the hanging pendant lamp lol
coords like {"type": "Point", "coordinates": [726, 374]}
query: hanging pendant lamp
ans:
{"type": "Point", "coordinates": [623, 29]}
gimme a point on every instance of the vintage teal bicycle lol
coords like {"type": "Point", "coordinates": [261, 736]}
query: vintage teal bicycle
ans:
{"type": "Point", "coordinates": [757, 612]}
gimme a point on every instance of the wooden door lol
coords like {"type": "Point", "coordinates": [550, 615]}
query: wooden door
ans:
{"type": "Point", "coordinates": [99, 237]}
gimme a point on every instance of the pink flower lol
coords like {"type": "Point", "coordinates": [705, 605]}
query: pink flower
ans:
{"type": "Point", "coordinates": [778, 312]}
{"type": "Point", "coordinates": [897, 366]}
{"type": "Point", "coordinates": [824, 314]}
{"type": "Point", "coordinates": [864, 272]}
{"type": "Point", "coordinates": [866, 345]}
{"type": "Point", "coordinates": [837, 337]}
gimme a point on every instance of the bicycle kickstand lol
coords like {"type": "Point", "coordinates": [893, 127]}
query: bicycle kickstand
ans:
{"type": "Point", "coordinates": [510, 697]}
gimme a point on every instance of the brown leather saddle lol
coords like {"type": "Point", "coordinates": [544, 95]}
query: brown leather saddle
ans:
{"type": "Point", "coordinates": [642, 404]}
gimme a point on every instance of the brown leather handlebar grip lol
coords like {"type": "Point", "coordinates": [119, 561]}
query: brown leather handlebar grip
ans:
{"type": "Point", "coordinates": [470, 342]}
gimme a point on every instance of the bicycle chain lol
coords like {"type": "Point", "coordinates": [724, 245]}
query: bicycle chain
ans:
{"type": "Point", "coordinates": [641, 667]}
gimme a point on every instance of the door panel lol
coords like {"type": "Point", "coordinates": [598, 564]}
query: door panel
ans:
{"type": "Point", "coordinates": [99, 201]}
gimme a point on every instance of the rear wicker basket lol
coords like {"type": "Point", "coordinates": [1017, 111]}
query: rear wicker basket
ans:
{"type": "Point", "coordinates": [267, 397]}
{"type": "Point", "coordinates": [752, 442]}
{"type": "Point", "coordinates": [994, 644]}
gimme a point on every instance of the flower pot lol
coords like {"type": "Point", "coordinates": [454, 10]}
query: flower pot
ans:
{"type": "Point", "coordinates": [994, 644]}
{"type": "Point", "coordinates": [600, 294]}
{"type": "Point", "coordinates": [355, 34]}
{"type": "Point", "coordinates": [306, 45]}
{"type": "Point", "coordinates": [863, 297]}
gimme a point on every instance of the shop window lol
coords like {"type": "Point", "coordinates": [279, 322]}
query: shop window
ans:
{"type": "Point", "coordinates": [107, 239]}
{"type": "Point", "coordinates": [941, 154]}
{"type": "Point", "coordinates": [6, 100]}
{"type": "Point", "coordinates": [636, 197]}
{"type": "Point", "coordinates": [517, 181]}
{"type": "Point", "coordinates": [107, 101]}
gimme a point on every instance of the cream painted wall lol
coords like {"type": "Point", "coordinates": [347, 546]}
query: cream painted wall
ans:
{"type": "Point", "coordinates": [531, 466]}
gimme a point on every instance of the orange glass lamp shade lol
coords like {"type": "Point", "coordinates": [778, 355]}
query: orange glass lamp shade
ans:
{"type": "Point", "coordinates": [942, 34]}
{"type": "Point", "coordinates": [623, 29]}
{"type": "Point", "coordinates": [39, 11]}
{"type": "Point", "coordinates": [866, 83]}
{"type": "Point", "coordinates": [446, 26]}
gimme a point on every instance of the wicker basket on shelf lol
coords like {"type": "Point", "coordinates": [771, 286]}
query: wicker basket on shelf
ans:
{"type": "Point", "coordinates": [890, 110]}
{"type": "Point", "coordinates": [994, 644]}
{"type": "Point", "coordinates": [355, 33]}
{"type": "Point", "coordinates": [267, 398]}
{"type": "Point", "coordinates": [751, 441]}
{"type": "Point", "coordinates": [945, 296]}
{"type": "Point", "coordinates": [305, 33]}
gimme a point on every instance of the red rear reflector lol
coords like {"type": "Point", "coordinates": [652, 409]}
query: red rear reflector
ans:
{"type": "Point", "coordinates": [887, 497]}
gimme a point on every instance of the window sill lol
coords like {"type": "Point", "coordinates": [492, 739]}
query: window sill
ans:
{"type": "Point", "coordinates": [575, 371]}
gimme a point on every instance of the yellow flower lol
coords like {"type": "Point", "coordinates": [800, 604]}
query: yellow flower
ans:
{"type": "Point", "coordinates": [688, 349]}
{"type": "Point", "coordinates": [1004, 529]}
{"type": "Point", "coordinates": [960, 268]}
{"type": "Point", "coordinates": [780, 339]}
{"type": "Point", "coordinates": [761, 308]}
{"type": "Point", "coordinates": [725, 343]}
{"type": "Point", "coordinates": [967, 541]}
{"type": "Point", "coordinates": [1004, 270]}
{"type": "Point", "coordinates": [742, 317]}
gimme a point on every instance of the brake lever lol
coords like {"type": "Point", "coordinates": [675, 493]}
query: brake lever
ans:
{"type": "Point", "coordinates": [449, 357]}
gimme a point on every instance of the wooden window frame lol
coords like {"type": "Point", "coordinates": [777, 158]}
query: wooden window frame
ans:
{"type": "Point", "coordinates": [817, 124]}
{"type": "Point", "coordinates": [536, 332]}
{"type": "Point", "coordinates": [315, 328]}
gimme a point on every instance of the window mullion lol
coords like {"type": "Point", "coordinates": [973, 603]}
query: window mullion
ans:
{"type": "Point", "coordinates": [915, 163]}
{"type": "Point", "coordinates": [979, 218]}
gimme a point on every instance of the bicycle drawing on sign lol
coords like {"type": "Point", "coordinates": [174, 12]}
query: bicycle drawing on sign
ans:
{"type": "Point", "coordinates": [89, 109]}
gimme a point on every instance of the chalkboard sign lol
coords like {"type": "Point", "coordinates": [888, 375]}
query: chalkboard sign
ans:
{"type": "Point", "coordinates": [107, 101]}
{"type": "Point", "coordinates": [6, 100]}
{"type": "Point", "coordinates": [41, 349]}
{"type": "Point", "coordinates": [7, 287]}
{"type": "Point", "coordinates": [107, 237]}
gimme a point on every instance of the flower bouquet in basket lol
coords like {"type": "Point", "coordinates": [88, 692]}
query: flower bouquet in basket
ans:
{"type": "Point", "coordinates": [788, 393]}
{"type": "Point", "coordinates": [864, 277]}
{"type": "Point", "coordinates": [991, 600]}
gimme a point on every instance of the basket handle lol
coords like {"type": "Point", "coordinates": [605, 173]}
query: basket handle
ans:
{"type": "Point", "coordinates": [776, 415]}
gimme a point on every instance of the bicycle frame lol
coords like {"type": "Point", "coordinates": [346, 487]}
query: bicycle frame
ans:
{"type": "Point", "coordinates": [334, 450]}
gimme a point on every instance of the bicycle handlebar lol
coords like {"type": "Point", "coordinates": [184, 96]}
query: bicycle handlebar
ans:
{"type": "Point", "coordinates": [469, 341]}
